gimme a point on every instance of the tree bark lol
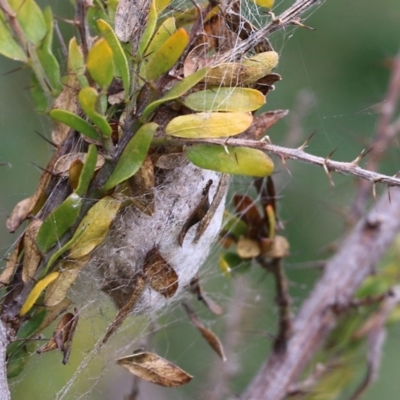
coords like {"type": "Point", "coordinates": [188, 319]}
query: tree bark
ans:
{"type": "Point", "coordinates": [356, 258]}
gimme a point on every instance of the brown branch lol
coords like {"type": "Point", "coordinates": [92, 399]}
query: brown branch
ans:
{"type": "Point", "coordinates": [343, 168]}
{"type": "Point", "coordinates": [355, 260]}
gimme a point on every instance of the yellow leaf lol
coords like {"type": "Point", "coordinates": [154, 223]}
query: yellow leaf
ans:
{"type": "Point", "coordinates": [265, 3]}
{"type": "Point", "coordinates": [209, 125]}
{"type": "Point", "coordinates": [225, 99]}
{"type": "Point", "coordinates": [165, 57]}
{"type": "Point", "coordinates": [244, 73]}
{"type": "Point", "coordinates": [95, 226]}
{"type": "Point", "coordinates": [36, 291]}
{"type": "Point", "coordinates": [58, 289]}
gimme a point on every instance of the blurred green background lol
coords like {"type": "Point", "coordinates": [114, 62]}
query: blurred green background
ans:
{"type": "Point", "coordinates": [338, 75]}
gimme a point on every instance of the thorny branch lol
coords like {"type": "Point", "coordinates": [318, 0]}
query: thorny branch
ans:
{"type": "Point", "coordinates": [343, 168]}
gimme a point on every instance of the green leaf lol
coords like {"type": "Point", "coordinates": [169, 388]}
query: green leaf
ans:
{"type": "Point", "coordinates": [161, 5]}
{"type": "Point", "coordinates": [8, 46]}
{"type": "Point", "coordinates": [95, 226]}
{"type": "Point", "coordinates": [209, 125]}
{"type": "Point", "coordinates": [31, 19]}
{"type": "Point", "coordinates": [58, 222]}
{"type": "Point", "coordinates": [149, 30]}
{"type": "Point", "coordinates": [76, 62]}
{"type": "Point", "coordinates": [164, 32]}
{"type": "Point", "coordinates": [234, 225]}
{"type": "Point", "coordinates": [87, 171]}
{"type": "Point", "coordinates": [120, 60]}
{"type": "Point", "coordinates": [231, 160]}
{"type": "Point", "coordinates": [176, 91]}
{"type": "Point", "coordinates": [39, 98]}
{"type": "Point", "coordinates": [89, 101]}
{"type": "Point", "coordinates": [46, 56]}
{"type": "Point", "coordinates": [165, 57]}
{"type": "Point", "coordinates": [133, 155]}
{"type": "Point", "coordinates": [225, 99]}
{"type": "Point", "coordinates": [75, 122]}
{"type": "Point", "coordinates": [27, 329]}
{"type": "Point", "coordinates": [100, 63]}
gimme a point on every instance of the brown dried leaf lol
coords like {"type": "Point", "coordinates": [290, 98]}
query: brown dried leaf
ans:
{"type": "Point", "coordinates": [63, 164]}
{"type": "Point", "coordinates": [197, 214]}
{"type": "Point", "coordinates": [155, 369]}
{"type": "Point", "coordinates": [12, 263]}
{"type": "Point", "coordinates": [265, 84]}
{"type": "Point", "coordinates": [279, 248]}
{"type": "Point", "coordinates": [142, 188]}
{"type": "Point", "coordinates": [171, 161]}
{"type": "Point", "coordinates": [62, 336]}
{"type": "Point", "coordinates": [53, 312]}
{"type": "Point", "coordinates": [68, 101]}
{"type": "Point", "coordinates": [126, 309]}
{"type": "Point", "coordinates": [32, 255]}
{"type": "Point", "coordinates": [247, 248]}
{"type": "Point", "coordinates": [25, 207]}
{"type": "Point", "coordinates": [248, 212]}
{"type": "Point", "coordinates": [210, 336]}
{"type": "Point", "coordinates": [195, 288]}
{"type": "Point", "coordinates": [159, 274]}
{"type": "Point", "coordinates": [58, 289]}
{"type": "Point", "coordinates": [261, 123]}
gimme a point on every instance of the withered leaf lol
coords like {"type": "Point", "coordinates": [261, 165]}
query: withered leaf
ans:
{"type": "Point", "coordinates": [265, 84]}
{"type": "Point", "coordinates": [195, 288]}
{"type": "Point", "coordinates": [216, 201]}
{"type": "Point", "coordinates": [25, 207]}
{"type": "Point", "coordinates": [208, 335]}
{"type": "Point", "coordinates": [248, 212]}
{"type": "Point", "coordinates": [12, 263]}
{"type": "Point", "coordinates": [62, 336]}
{"type": "Point", "coordinates": [64, 163]}
{"type": "Point", "coordinates": [279, 247]}
{"type": "Point", "coordinates": [155, 369]}
{"type": "Point", "coordinates": [142, 188]}
{"type": "Point", "coordinates": [261, 123]}
{"type": "Point", "coordinates": [159, 274]}
{"type": "Point", "coordinates": [247, 248]}
{"type": "Point", "coordinates": [53, 312]}
{"type": "Point", "coordinates": [197, 214]}
{"type": "Point", "coordinates": [171, 160]}
{"type": "Point", "coordinates": [126, 309]}
{"type": "Point", "coordinates": [32, 255]}
{"type": "Point", "coordinates": [58, 289]}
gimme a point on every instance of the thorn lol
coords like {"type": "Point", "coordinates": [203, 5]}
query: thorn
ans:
{"type": "Point", "coordinates": [326, 168]}
{"type": "Point", "coordinates": [363, 153]}
{"type": "Point", "coordinates": [283, 159]}
{"type": "Point", "coordinates": [330, 154]}
{"type": "Point", "coordinates": [304, 145]}
{"type": "Point", "coordinates": [374, 191]}
{"type": "Point", "coordinates": [266, 139]}
{"type": "Point", "coordinates": [45, 139]}
{"type": "Point", "coordinates": [301, 25]}
{"type": "Point", "coordinates": [43, 169]}
{"type": "Point", "coordinates": [389, 197]}
{"type": "Point", "coordinates": [12, 71]}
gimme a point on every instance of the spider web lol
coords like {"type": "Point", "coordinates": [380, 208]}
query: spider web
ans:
{"type": "Point", "coordinates": [91, 372]}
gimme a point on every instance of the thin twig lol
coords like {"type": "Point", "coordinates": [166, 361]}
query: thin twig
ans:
{"type": "Point", "coordinates": [283, 301]}
{"type": "Point", "coordinates": [385, 134]}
